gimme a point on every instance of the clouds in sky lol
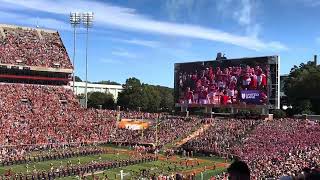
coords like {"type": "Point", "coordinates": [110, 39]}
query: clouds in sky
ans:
{"type": "Point", "coordinates": [110, 16]}
{"type": "Point", "coordinates": [139, 42]}
{"type": "Point", "coordinates": [123, 53]}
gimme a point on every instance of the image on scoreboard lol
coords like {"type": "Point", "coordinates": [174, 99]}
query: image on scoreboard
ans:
{"type": "Point", "coordinates": [226, 82]}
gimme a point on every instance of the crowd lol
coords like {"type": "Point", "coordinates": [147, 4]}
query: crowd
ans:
{"type": "Point", "coordinates": [40, 115]}
{"type": "Point", "coordinates": [281, 148]}
{"type": "Point", "coordinates": [43, 116]}
{"type": "Point", "coordinates": [221, 85]}
{"type": "Point", "coordinates": [272, 149]}
{"type": "Point", "coordinates": [221, 136]}
{"type": "Point", "coordinates": [33, 48]}
{"type": "Point", "coordinates": [36, 116]}
{"type": "Point", "coordinates": [167, 131]}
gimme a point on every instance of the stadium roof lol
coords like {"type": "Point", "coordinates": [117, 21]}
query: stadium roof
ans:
{"type": "Point", "coordinates": [28, 28]}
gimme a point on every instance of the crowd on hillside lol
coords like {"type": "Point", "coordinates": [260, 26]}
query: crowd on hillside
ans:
{"type": "Point", "coordinates": [272, 149]}
{"type": "Point", "coordinates": [33, 48]}
{"type": "Point", "coordinates": [221, 85]}
{"type": "Point", "coordinates": [168, 129]}
{"type": "Point", "coordinates": [221, 136]}
{"type": "Point", "coordinates": [281, 148]}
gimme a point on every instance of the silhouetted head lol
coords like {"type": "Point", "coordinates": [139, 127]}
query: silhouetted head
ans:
{"type": "Point", "coordinates": [239, 170]}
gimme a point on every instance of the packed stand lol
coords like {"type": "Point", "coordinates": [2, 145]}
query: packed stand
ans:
{"type": "Point", "coordinates": [169, 129]}
{"type": "Point", "coordinates": [221, 136]}
{"type": "Point", "coordinates": [33, 48]}
{"type": "Point", "coordinates": [272, 149]}
{"type": "Point", "coordinates": [40, 115]}
{"type": "Point", "coordinates": [281, 148]}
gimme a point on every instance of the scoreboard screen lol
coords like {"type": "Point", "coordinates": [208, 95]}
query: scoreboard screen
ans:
{"type": "Point", "coordinates": [226, 82]}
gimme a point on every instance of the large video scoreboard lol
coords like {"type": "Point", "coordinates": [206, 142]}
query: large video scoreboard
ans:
{"type": "Point", "coordinates": [228, 82]}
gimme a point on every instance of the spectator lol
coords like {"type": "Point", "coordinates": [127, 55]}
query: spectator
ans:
{"type": "Point", "coordinates": [239, 170]}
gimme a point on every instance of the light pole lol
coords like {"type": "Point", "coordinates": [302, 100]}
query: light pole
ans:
{"type": "Point", "coordinates": [75, 19]}
{"type": "Point", "coordinates": [87, 19]}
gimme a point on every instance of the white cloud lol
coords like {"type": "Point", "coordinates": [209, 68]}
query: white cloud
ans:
{"type": "Point", "coordinates": [110, 61]}
{"type": "Point", "coordinates": [108, 15]}
{"type": "Point", "coordinates": [243, 15]}
{"type": "Point", "coordinates": [123, 53]}
{"type": "Point", "coordinates": [139, 42]}
{"type": "Point", "coordinates": [23, 19]}
{"type": "Point", "coordinates": [177, 9]}
{"type": "Point", "coordinates": [243, 12]}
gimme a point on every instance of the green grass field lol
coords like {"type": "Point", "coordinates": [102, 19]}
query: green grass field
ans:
{"type": "Point", "coordinates": [161, 166]}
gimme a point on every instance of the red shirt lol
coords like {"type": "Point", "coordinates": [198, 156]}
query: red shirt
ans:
{"type": "Point", "coordinates": [254, 82]}
{"type": "Point", "coordinates": [264, 80]}
{"type": "Point", "coordinates": [224, 99]}
{"type": "Point", "coordinates": [188, 95]}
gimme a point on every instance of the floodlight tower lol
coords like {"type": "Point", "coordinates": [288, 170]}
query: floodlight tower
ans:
{"type": "Point", "coordinates": [75, 19]}
{"type": "Point", "coordinates": [87, 20]}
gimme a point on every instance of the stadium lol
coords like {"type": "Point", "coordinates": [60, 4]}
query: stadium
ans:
{"type": "Point", "coordinates": [225, 122]}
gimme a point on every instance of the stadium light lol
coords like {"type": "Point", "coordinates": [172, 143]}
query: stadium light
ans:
{"type": "Point", "coordinates": [75, 20]}
{"type": "Point", "coordinates": [87, 21]}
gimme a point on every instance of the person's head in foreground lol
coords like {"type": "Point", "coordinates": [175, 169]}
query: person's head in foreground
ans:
{"type": "Point", "coordinates": [239, 170]}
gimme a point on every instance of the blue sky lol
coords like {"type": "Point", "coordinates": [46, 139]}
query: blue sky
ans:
{"type": "Point", "coordinates": [144, 38]}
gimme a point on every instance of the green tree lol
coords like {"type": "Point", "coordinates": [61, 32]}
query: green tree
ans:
{"type": "Point", "coordinates": [105, 100]}
{"type": "Point", "coordinates": [150, 98]}
{"type": "Point", "coordinates": [167, 99]}
{"type": "Point", "coordinates": [278, 113]}
{"type": "Point", "coordinates": [108, 82]}
{"type": "Point", "coordinates": [302, 88]}
{"type": "Point", "coordinates": [77, 79]}
{"type": "Point", "coordinates": [131, 96]}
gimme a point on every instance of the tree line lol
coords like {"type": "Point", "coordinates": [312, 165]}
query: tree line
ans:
{"type": "Point", "coordinates": [135, 96]}
{"type": "Point", "coordinates": [108, 82]}
{"type": "Point", "coordinates": [302, 88]}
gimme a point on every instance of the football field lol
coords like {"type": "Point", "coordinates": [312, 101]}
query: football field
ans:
{"type": "Point", "coordinates": [162, 165]}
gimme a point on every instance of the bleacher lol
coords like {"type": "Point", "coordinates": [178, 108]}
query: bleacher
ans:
{"type": "Point", "coordinates": [35, 56]}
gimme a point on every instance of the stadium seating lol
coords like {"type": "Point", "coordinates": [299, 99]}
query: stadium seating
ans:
{"type": "Point", "coordinates": [272, 149]}
{"type": "Point", "coordinates": [28, 47]}
{"type": "Point", "coordinates": [221, 136]}
{"type": "Point", "coordinates": [36, 114]}
{"type": "Point", "coordinates": [168, 130]}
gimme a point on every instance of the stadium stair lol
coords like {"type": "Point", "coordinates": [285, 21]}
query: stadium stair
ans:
{"type": "Point", "coordinates": [193, 135]}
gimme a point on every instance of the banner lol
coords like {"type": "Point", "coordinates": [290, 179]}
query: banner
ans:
{"type": "Point", "coordinates": [251, 96]}
{"type": "Point", "coordinates": [133, 124]}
